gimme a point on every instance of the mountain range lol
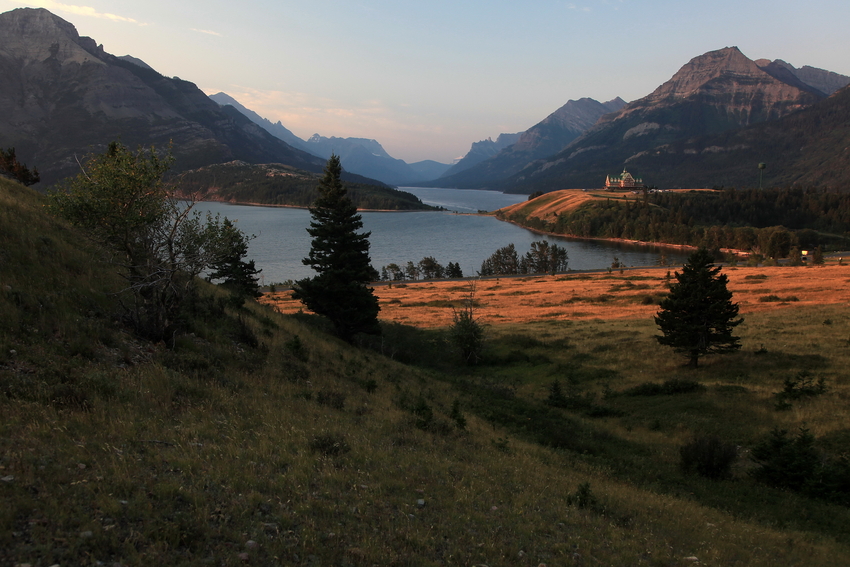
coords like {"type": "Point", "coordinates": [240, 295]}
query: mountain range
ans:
{"type": "Point", "coordinates": [545, 138]}
{"type": "Point", "coordinates": [705, 115]}
{"type": "Point", "coordinates": [62, 97]}
{"type": "Point", "coordinates": [363, 156]}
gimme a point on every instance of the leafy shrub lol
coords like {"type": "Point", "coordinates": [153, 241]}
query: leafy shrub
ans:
{"type": "Point", "coordinates": [467, 335]}
{"type": "Point", "coordinates": [708, 456]}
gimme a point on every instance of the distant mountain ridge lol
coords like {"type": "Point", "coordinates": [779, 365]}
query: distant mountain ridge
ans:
{"type": "Point", "coordinates": [362, 156]}
{"type": "Point", "coordinates": [481, 150]}
{"type": "Point", "coordinates": [63, 97]}
{"type": "Point", "coordinates": [720, 91]}
{"type": "Point", "coordinates": [277, 130]}
{"type": "Point", "coordinates": [545, 138]}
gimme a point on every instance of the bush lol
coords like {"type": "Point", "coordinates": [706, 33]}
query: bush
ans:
{"type": "Point", "coordinates": [467, 334]}
{"type": "Point", "coordinates": [583, 498]}
{"type": "Point", "coordinates": [708, 456]}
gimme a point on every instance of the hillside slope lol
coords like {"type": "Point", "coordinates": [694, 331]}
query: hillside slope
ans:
{"type": "Point", "coordinates": [259, 439]}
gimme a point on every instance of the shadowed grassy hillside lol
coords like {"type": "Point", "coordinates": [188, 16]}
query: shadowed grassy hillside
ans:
{"type": "Point", "coordinates": [261, 440]}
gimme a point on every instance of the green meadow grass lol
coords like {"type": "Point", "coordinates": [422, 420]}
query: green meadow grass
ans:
{"type": "Point", "coordinates": [262, 440]}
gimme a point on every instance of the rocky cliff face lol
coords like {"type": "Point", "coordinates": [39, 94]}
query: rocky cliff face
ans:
{"type": "Point", "coordinates": [62, 97]}
{"type": "Point", "coordinates": [716, 92]}
{"type": "Point", "coordinates": [808, 78]}
{"type": "Point", "coordinates": [732, 88]}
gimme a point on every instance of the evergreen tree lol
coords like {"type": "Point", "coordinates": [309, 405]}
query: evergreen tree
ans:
{"type": "Point", "coordinates": [340, 257]}
{"type": "Point", "coordinates": [236, 274]}
{"type": "Point", "coordinates": [698, 316]}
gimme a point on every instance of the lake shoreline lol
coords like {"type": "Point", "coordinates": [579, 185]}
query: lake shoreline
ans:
{"type": "Point", "coordinates": [278, 206]}
{"type": "Point", "coordinates": [680, 247]}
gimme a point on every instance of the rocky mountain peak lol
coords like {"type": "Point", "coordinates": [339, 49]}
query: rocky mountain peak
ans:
{"type": "Point", "coordinates": [728, 63]}
{"type": "Point", "coordinates": [36, 35]}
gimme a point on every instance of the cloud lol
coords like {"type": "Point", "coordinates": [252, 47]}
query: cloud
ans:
{"type": "Point", "coordinates": [78, 10]}
{"type": "Point", "coordinates": [208, 32]}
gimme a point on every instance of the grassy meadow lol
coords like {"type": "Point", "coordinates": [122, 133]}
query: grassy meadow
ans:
{"type": "Point", "coordinates": [261, 440]}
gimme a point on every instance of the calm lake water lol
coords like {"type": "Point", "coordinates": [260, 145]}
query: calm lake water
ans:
{"type": "Point", "coordinates": [282, 240]}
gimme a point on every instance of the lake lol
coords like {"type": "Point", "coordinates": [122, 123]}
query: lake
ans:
{"type": "Point", "coordinates": [398, 237]}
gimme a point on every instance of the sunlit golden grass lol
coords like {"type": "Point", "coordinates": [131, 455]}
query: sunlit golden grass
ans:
{"type": "Point", "coordinates": [634, 294]}
{"type": "Point", "coordinates": [548, 206]}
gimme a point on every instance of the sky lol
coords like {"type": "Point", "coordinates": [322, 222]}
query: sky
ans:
{"type": "Point", "coordinates": [428, 78]}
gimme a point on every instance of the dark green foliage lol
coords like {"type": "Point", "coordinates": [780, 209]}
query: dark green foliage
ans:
{"type": "Point", "coordinates": [503, 261]}
{"type": "Point", "coordinates": [9, 165]}
{"type": "Point", "coordinates": [742, 219]}
{"type": "Point", "coordinates": [795, 463]}
{"type": "Point", "coordinates": [466, 333]}
{"type": "Point", "coordinates": [698, 316]}
{"type": "Point", "coordinates": [542, 258]}
{"type": "Point", "coordinates": [453, 270]}
{"type": "Point", "coordinates": [802, 386]}
{"type": "Point", "coordinates": [583, 498]}
{"type": "Point", "coordinates": [708, 456]}
{"type": "Point", "coordinates": [156, 243]}
{"type": "Point", "coordinates": [556, 396]}
{"type": "Point", "coordinates": [430, 269]}
{"type": "Point", "coordinates": [817, 257]}
{"type": "Point", "coordinates": [230, 267]}
{"type": "Point", "coordinates": [340, 257]}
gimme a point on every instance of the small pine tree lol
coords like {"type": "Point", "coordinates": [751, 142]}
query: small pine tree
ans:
{"type": "Point", "coordinates": [466, 332]}
{"type": "Point", "coordinates": [340, 257]}
{"type": "Point", "coordinates": [698, 316]}
{"type": "Point", "coordinates": [234, 272]}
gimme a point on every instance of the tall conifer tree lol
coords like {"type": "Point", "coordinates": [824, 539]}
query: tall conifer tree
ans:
{"type": "Point", "coordinates": [698, 316]}
{"type": "Point", "coordinates": [340, 257]}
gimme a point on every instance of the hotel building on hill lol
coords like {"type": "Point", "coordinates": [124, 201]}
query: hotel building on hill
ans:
{"type": "Point", "coordinates": [622, 181]}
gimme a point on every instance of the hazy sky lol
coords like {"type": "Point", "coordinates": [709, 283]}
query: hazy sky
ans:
{"type": "Point", "coordinates": [426, 78]}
